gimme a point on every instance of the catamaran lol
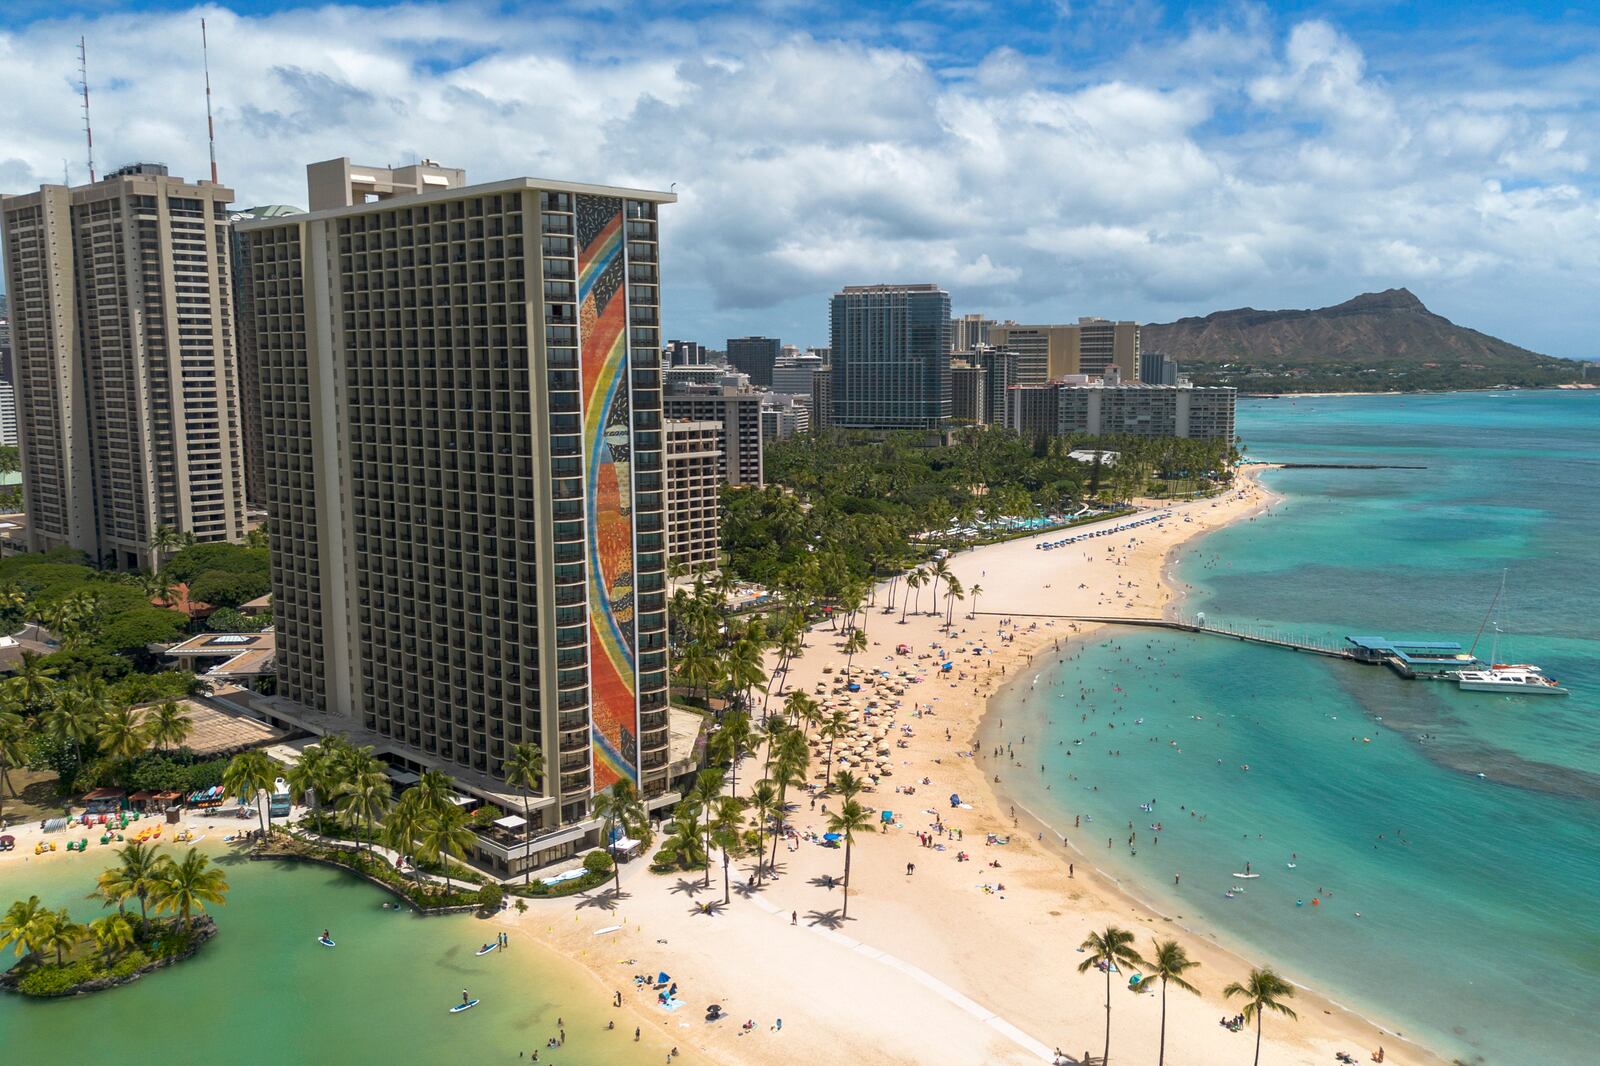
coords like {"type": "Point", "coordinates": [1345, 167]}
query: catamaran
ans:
{"type": "Point", "coordinates": [1513, 679]}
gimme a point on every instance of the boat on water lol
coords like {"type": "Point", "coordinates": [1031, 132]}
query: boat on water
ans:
{"type": "Point", "coordinates": [1511, 679]}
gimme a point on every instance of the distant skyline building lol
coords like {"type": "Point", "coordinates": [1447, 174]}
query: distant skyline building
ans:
{"type": "Point", "coordinates": [891, 357]}
{"type": "Point", "coordinates": [466, 481]}
{"type": "Point", "coordinates": [732, 402]}
{"type": "Point", "coordinates": [123, 363]}
{"type": "Point", "coordinates": [1063, 408]}
{"type": "Point", "coordinates": [1156, 368]}
{"type": "Point", "coordinates": [1052, 352]}
{"type": "Point", "coordinates": [968, 332]}
{"type": "Point", "coordinates": [999, 374]}
{"type": "Point", "coordinates": [792, 373]}
{"type": "Point", "coordinates": [755, 356]}
{"type": "Point", "coordinates": [784, 415]}
{"type": "Point", "coordinates": [686, 353]}
{"type": "Point", "coordinates": [695, 460]}
{"type": "Point", "coordinates": [822, 399]}
{"type": "Point", "coordinates": [969, 393]}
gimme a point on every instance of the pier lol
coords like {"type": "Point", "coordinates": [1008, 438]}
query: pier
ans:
{"type": "Point", "coordinates": [1248, 634]}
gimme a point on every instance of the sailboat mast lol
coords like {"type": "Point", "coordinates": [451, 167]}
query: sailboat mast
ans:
{"type": "Point", "coordinates": [1473, 651]}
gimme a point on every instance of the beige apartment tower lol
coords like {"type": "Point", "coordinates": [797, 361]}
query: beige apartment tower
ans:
{"type": "Point", "coordinates": [1091, 346]}
{"type": "Point", "coordinates": [122, 330]}
{"type": "Point", "coordinates": [464, 469]}
{"type": "Point", "coordinates": [695, 462]}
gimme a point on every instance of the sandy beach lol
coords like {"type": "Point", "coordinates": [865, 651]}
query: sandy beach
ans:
{"type": "Point", "coordinates": [932, 966]}
{"type": "Point", "coordinates": [958, 961]}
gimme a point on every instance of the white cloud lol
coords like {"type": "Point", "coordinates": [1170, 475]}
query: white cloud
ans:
{"type": "Point", "coordinates": [1241, 162]}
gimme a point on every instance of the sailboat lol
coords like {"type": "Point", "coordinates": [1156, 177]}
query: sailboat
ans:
{"type": "Point", "coordinates": [1512, 679]}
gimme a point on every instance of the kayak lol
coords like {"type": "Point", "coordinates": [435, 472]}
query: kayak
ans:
{"type": "Point", "coordinates": [325, 942]}
{"type": "Point", "coordinates": [459, 1007]}
{"type": "Point", "coordinates": [487, 948]}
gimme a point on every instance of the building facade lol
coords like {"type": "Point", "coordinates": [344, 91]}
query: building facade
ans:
{"type": "Point", "coordinates": [737, 406]}
{"type": "Point", "coordinates": [783, 416]}
{"type": "Point", "coordinates": [1156, 368]}
{"type": "Point", "coordinates": [969, 393]}
{"type": "Point", "coordinates": [126, 382]}
{"type": "Point", "coordinates": [755, 356]}
{"type": "Point", "coordinates": [464, 469]}
{"type": "Point", "coordinates": [999, 374]}
{"type": "Point", "coordinates": [255, 476]}
{"type": "Point", "coordinates": [1090, 346]}
{"type": "Point", "coordinates": [1096, 409]}
{"type": "Point", "coordinates": [685, 353]}
{"type": "Point", "coordinates": [8, 414]}
{"type": "Point", "coordinates": [792, 373]}
{"type": "Point", "coordinates": [891, 357]}
{"type": "Point", "coordinates": [695, 463]}
{"type": "Point", "coordinates": [822, 399]}
{"type": "Point", "coordinates": [968, 332]}
{"type": "Point", "coordinates": [1103, 344]}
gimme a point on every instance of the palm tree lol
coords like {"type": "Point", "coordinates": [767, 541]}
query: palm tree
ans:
{"type": "Point", "coordinates": [704, 795]}
{"type": "Point", "coordinates": [855, 642]}
{"type": "Point", "coordinates": [914, 582]}
{"type": "Point", "coordinates": [798, 705]}
{"type": "Point", "coordinates": [1109, 949]}
{"type": "Point", "coordinates": [22, 925]}
{"type": "Point", "coordinates": [112, 933]}
{"type": "Point", "coordinates": [851, 818]}
{"type": "Point", "coordinates": [403, 824]}
{"type": "Point", "coordinates": [730, 742]}
{"type": "Point", "coordinates": [436, 791]}
{"type": "Point", "coordinates": [847, 785]}
{"type": "Point", "coordinates": [445, 836]}
{"type": "Point", "coordinates": [163, 540]}
{"type": "Point", "coordinates": [524, 770]}
{"type": "Point", "coordinates": [314, 774]}
{"type": "Point", "coordinates": [250, 773]}
{"type": "Point", "coordinates": [13, 749]}
{"type": "Point", "coordinates": [941, 572]}
{"type": "Point", "coordinates": [58, 932]}
{"type": "Point", "coordinates": [764, 805]}
{"type": "Point", "coordinates": [977, 590]}
{"type": "Point", "coordinates": [788, 769]}
{"type": "Point", "coordinates": [837, 725]}
{"type": "Point", "coordinates": [189, 885]}
{"type": "Point", "coordinates": [684, 846]}
{"type": "Point", "coordinates": [121, 733]}
{"type": "Point", "coordinates": [620, 806]}
{"type": "Point", "coordinates": [168, 725]}
{"type": "Point", "coordinates": [1170, 963]}
{"type": "Point", "coordinates": [33, 680]}
{"type": "Point", "coordinates": [725, 826]}
{"type": "Point", "coordinates": [74, 718]}
{"type": "Point", "coordinates": [1263, 990]}
{"type": "Point", "coordinates": [952, 593]}
{"type": "Point", "coordinates": [364, 800]}
{"type": "Point", "coordinates": [136, 876]}
{"type": "Point", "coordinates": [745, 671]}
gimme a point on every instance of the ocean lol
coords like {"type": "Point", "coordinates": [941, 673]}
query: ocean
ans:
{"type": "Point", "coordinates": [1446, 875]}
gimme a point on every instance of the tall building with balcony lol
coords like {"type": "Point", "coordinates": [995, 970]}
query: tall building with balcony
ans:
{"type": "Point", "coordinates": [464, 469]}
{"type": "Point", "coordinates": [969, 393]}
{"type": "Point", "coordinates": [255, 476]}
{"type": "Point", "coordinates": [891, 357]}
{"type": "Point", "coordinates": [1096, 408]}
{"type": "Point", "coordinates": [123, 363]}
{"type": "Point", "coordinates": [731, 401]}
{"type": "Point", "coordinates": [695, 461]}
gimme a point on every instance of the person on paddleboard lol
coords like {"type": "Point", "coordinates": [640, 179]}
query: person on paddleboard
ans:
{"type": "Point", "coordinates": [325, 935]}
{"type": "Point", "coordinates": [463, 997]}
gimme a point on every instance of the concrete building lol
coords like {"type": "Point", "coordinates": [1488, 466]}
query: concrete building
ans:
{"type": "Point", "coordinates": [792, 373]}
{"type": "Point", "coordinates": [255, 471]}
{"type": "Point", "coordinates": [1091, 346]}
{"type": "Point", "coordinates": [1156, 368]}
{"type": "Point", "coordinates": [8, 414]}
{"type": "Point", "coordinates": [677, 379]}
{"type": "Point", "coordinates": [732, 402]}
{"type": "Point", "coordinates": [755, 356]}
{"type": "Point", "coordinates": [999, 374]}
{"type": "Point", "coordinates": [784, 416]}
{"type": "Point", "coordinates": [891, 357]}
{"type": "Point", "coordinates": [464, 465]}
{"type": "Point", "coordinates": [968, 332]}
{"type": "Point", "coordinates": [969, 393]}
{"type": "Point", "coordinates": [340, 183]}
{"type": "Point", "coordinates": [122, 338]}
{"type": "Point", "coordinates": [686, 353]}
{"type": "Point", "coordinates": [695, 474]}
{"type": "Point", "coordinates": [1098, 409]}
{"type": "Point", "coordinates": [822, 399]}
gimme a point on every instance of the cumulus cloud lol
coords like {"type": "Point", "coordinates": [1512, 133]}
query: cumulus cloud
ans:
{"type": "Point", "coordinates": [1238, 161]}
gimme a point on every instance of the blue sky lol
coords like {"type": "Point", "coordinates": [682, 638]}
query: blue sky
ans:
{"type": "Point", "coordinates": [1041, 160]}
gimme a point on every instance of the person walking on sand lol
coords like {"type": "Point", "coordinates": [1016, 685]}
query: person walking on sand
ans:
{"type": "Point", "coordinates": [794, 917]}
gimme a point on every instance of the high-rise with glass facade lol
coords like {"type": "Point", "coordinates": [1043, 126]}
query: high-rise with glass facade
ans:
{"type": "Point", "coordinates": [891, 357]}
{"type": "Point", "coordinates": [463, 449]}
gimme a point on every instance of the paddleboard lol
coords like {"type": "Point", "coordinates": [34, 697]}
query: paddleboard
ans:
{"type": "Point", "coordinates": [1247, 876]}
{"type": "Point", "coordinates": [486, 949]}
{"type": "Point", "coordinates": [325, 942]}
{"type": "Point", "coordinates": [459, 1007]}
{"type": "Point", "coordinates": [1291, 865]}
{"type": "Point", "coordinates": [607, 929]}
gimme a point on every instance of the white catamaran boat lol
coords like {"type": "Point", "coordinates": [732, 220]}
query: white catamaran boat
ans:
{"type": "Point", "coordinates": [1512, 679]}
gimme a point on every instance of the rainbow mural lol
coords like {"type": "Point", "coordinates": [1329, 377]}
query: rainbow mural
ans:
{"type": "Point", "coordinates": [607, 436]}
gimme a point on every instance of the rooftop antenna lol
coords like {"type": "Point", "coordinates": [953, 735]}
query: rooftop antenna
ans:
{"type": "Point", "coordinates": [211, 129]}
{"type": "Point", "coordinates": [83, 83]}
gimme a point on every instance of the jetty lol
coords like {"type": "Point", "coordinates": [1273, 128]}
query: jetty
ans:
{"type": "Point", "coordinates": [1410, 659]}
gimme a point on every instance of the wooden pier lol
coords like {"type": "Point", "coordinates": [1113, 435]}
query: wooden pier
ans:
{"type": "Point", "coordinates": [1249, 634]}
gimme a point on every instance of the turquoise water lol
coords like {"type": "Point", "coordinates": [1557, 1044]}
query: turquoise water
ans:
{"type": "Point", "coordinates": [264, 991]}
{"type": "Point", "coordinates": [1478, 896]}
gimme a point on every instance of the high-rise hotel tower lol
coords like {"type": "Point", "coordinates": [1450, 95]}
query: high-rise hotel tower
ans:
{"type": "Point", "coordinates": [463, 442]}
{"type": "Point", "coordinates": [122, 330]}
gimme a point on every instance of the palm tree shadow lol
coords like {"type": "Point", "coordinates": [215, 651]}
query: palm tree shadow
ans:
{"type": "Point", "coordinates": [745, 889]}
{"type": "Point", "coordinates": [826, 919]}
{"type": "Point", "coordinates": [709, 910]}
{"type": "Point", "coordinates": [606, 901]}
{"type": "Point", "coordinates": [827, 881]}
{"type": "Point", "coordinates": [688, 888]}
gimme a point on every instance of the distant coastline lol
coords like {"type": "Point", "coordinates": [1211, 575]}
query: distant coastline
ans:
{"type": "Point", "coordinates": [1580, 386]}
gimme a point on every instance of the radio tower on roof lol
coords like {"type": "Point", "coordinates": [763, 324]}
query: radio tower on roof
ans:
{"type": "Point", "coordinates": [83, 83]}
{"type": "Point", "coordinates": [211, 129]}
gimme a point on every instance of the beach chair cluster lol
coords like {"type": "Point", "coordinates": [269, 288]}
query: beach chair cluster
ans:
{"type": "Point", "coordinates": [1051, 545]}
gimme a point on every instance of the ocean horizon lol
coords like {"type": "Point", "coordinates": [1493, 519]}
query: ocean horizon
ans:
{"type": "Point", "coordinates": [1423, 855]}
